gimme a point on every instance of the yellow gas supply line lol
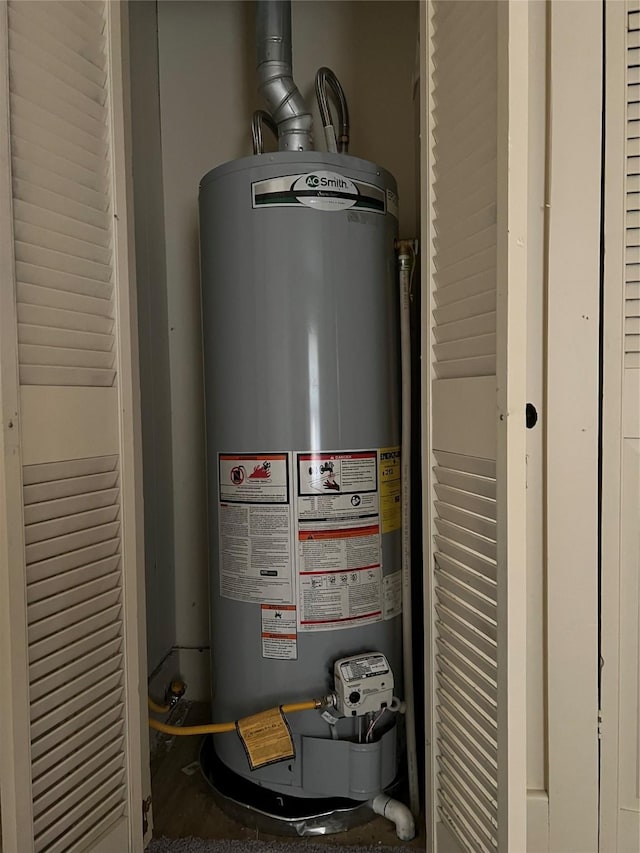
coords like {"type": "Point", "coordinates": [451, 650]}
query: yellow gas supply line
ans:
{"type": "Point", "coordinates": [157, 709]}
{"type": "Point", "coordinates": [219, 728]}
{"type": "Point", "coordinates": [175, 692]}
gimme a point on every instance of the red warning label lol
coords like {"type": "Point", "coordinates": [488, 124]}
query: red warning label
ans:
{"type": "Point", "coordinates": [279, 632]}
{"type": "Point", "coordinates": [338, 550]}
{"type": "Point", "coordinates": [253, 478]}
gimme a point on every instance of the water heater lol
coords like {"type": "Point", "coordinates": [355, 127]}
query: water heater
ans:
{"type": "Point", "coordinates": [300, 320]}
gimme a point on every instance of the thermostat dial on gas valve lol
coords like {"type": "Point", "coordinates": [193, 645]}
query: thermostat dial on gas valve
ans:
{"type": "Point", "coordinates": [363, 684]}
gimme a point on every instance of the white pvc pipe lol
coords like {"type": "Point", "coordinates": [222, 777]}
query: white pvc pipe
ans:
{"type": "Point", "coordinates": [397, 813]}
{"type": "Point", "coordinates": [406, 258]}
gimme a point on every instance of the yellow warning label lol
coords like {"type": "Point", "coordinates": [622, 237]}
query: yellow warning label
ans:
{"type": "Point", "coordinates": [390, 489]}
{"type": "Point", "coordinates": [266, 738]}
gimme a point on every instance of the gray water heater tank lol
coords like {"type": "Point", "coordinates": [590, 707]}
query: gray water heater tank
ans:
{"type": "Point", "coordinates": [300, 319]}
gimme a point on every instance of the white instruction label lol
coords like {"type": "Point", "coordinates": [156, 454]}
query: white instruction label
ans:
{"type": "Point", "coordinates": [255, 528]}
{"type": "Point", "coordinates": [365, 667]}
{"type": "Point", "coordinates": [392, 595]}
{"type": "Point", "coordinates": [338, 540]}
{"type": "Point", "coordinates": [339, 599]}
{"type": "Point", "coordinates": [329, 718]}
{"type": "Point", "coordinates": [279, 632]}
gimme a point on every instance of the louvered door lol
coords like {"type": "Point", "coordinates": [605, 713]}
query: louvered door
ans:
{"type": "Point", "coordinates": [475, 355]}
{"type": "Point", "coordinates": [69, 511]}
{"type": "Point", "coordinates": [632, 182]}
{"type": "Point", "coordinates": [620, 689]}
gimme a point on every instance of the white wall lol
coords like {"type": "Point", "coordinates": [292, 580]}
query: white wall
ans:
{"type": "Point", "coordinates": [207, 95]}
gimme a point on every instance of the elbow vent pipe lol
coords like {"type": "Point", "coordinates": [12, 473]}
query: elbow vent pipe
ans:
{"type": "Point", "coordinates": [275, 75]}
{"type": "Point", "coordinates": [397, 813]}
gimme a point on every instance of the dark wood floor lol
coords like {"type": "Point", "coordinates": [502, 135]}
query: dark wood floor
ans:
{"type": "Point", "coordinates": [183, 804]}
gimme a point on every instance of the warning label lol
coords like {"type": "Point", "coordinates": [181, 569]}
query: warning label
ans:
{"type": "Point", "coordinates": [392, 595]}
{"type": "Point", "coordinates": [338, 540]}
{"type": "Point", "coordinates": [390, 489]}
{"type": "Point", "coordinates": [255, 528]}
{"type": "Point", "coordinates": [337, 473]}
{"type": "Point", "coordinates": [339, 549]}
{"type": "Point", "coordinates": [279, 632]}
{"type": "Point", "coordinates": [266, 738]}
{"type": "Point", "coordinates": [301, 535]}
{"type": "Point", "coordinates": [337, 488]}
{"type": "Point", "coordinates": [253, 478]}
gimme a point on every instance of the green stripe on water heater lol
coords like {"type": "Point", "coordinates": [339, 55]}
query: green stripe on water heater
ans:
{"type": "Point", "coordinates": [289, 198]}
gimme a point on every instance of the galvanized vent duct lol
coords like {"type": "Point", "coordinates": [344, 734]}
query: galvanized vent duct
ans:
{"type": "Point", "coordinates": [275, 75]}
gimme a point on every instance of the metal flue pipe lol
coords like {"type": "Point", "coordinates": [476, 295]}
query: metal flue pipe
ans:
{"type": "Point", "coordinates": [275, 75]}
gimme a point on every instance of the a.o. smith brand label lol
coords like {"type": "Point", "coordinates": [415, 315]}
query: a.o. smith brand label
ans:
{"type": "Point", "coordinates": [321, 190]}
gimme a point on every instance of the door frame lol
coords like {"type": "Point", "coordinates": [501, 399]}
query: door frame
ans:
{"type": "Point", "coordinates": [131, 474]}
{"type": "Point", "coordinates": [612, 416]}
{"type": "Point", "coordinates": [571, 416]}
{"type": "Point", "coordinates": [620, 423]}
{"type": "Point", "coordinates": [15, 765]}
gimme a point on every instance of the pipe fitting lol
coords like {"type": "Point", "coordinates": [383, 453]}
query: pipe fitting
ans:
{"type": "Point", "coordinates": [328, 701]}
{"type": "Point", "coordinates": [407, 251]}
{"type": "Point", "coordinates": [175, 692]}
{"type": "Point", "coordinates": [397, 813]}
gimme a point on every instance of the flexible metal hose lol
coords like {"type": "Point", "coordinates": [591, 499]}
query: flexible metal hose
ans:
{"type": "Point", "coordinates": [259, 118]}
{"type": "Point", "coordinates": [325, 77]}
{"type": "Point", "coordinates": [407, 260]}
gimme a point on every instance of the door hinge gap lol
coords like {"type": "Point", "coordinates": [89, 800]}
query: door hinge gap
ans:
{"type": "Point", "coordinates": [599, 724]}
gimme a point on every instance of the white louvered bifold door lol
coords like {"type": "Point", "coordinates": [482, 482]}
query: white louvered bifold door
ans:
{"type": "Point", "coordinates": [70, 613]}
{"type": "Point", "coordinates": [475, 461]}
{"type": "Point", "coordinates": [620, 688]}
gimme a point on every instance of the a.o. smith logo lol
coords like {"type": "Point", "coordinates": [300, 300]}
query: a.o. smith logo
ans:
{"type": "Point", "coordinates": [329, 181]}
{"type": "Point", "coordinates": [325, 191]}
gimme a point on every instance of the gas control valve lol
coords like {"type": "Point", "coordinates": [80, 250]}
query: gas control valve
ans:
{"type": "Point", "coordinates": [363, 684]}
